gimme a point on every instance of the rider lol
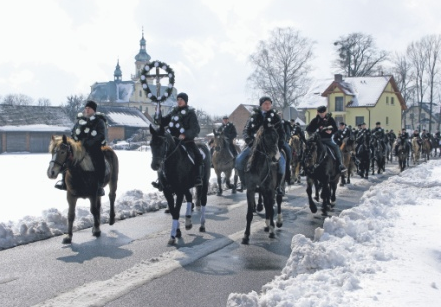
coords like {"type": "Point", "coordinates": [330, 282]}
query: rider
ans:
{"type": "Point", "coordinates": [297, 130]}
{"type": "Point", "coordinates": [416, 135]}
{"type": "Point", "coordinates": [90, 130]}
{"type": "Point", "coordinates": [326, 126]}
{"type": "Point", "coordinates": [425, 135]}
{"type": "Point", "coordinates": [230, 133]}
{"type": "Point", "coordinates": [342, 133]}
{"type": "Point", "coordinates": [287, 128]}
{"type": "Point", "coordinates": [378, 133]}
{"type": "Point", "coordinates": [183, 124]}
{"type": "Point", "coordinates": [391, 136]}
{"type": "Point", "coordinates": [363, 131]}
{"type": "Point", "coordinates": [403, 138]}
{"type": "Point", "coordinates": [256, 120]}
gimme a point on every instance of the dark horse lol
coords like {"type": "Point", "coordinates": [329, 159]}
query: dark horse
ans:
{"type": "Point", "coordinates": [223, 162]}
{"type": "Point", "coordinates": [322, 169]}
{"type": "Point", "coordinates": [81, 182]}
{"type": "Point", "coordinates": [363, 154]}
{"type": "Point", "coordinates": [261, 176]}
{"type": "Point", "coordinates": [348, 153]}
{"type": "Point", "coordinates": [403, 153]}
{"type": "Point", "coordinates": [177, 174]}
{"type": "Point", "coordinates": [378, 156]}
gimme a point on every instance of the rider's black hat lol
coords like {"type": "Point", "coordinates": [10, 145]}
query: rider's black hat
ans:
{"type": "Point", "coordinates": [342, 124]}
{"type": "Point", "coordinates": [91, 104]}
{"type": "Point", "coordinates": [225, 117]}
{"type": "Point", "coordinates": [184, 96]}
{"type": "Point", "coordinates": [321, 109]}
{"type": "Point", "coordinates": [263, 99]}
{"type": "Point", "coordinates": [363, 124]}
{"type": "Point", "coordinates": [377, 123]}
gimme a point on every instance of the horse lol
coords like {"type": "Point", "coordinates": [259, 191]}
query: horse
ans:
{"type": "Point", "coordinates": [223, 162]}
{"type": "Point", "coordinates": [426, 148]}
{"type": "Point", "coordinates": [378, 156]}
{"type": "Point", "coordinates": [436, 145]}
{"type": "Point", "coordinates": [348, 151]}
{"type": "Point", "coordinates": [296, 148]}
{"type": "Point", "coordinates": [416, 150]}
{"type": "Point", "coordinates": [363, 153]}
{"type": "Point", "coordinates": [322, 170]}
{"type": "Point", "coordinates": [81, 182]}
{"type": "Point", "coordinates": [261, 176]}
{"type": "Point", "coordinates": [403, 153]}
{"type": "Point", "coordinates": [177, 174]}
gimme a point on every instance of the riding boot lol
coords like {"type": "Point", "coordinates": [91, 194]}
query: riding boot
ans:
{"type": "Point", "coordinates": [198, 179]}
{"type": "Point", "coordinates": [61, 184]}
{"type": "Point", "coordinates": [341, 166]}
{"type": "Point", "coordinates": [279, 189]}
{"type": "Point", "coordinates": [157, 184]}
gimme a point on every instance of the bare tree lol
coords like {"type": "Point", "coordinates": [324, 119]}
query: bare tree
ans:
{"type": "Point", "coordinates": [74, 105]}
{"type": "Point", "coordinates": [404, 76]}
{"type": "Point", "coordinates": [43, 102]}
{"type": "Point", "coordinates": [358, 56]}
{"type": "Point", "coordinates": [432, 46]}
{"type": "Point", "coordinates": [417, 58]}
{"type": "Point", "coordinates": [281, 66]}
{"type": "Point", "coordinates": [17, 100]}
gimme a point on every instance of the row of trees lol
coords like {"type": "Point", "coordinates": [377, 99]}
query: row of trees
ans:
{"type": "Point", "coordinates": [282, 66]}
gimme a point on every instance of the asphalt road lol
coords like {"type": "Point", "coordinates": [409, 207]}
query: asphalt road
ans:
{"type": "Point", "coordinates": [132, 265]}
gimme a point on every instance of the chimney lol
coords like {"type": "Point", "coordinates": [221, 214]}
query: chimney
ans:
{"type": "Point", "coordinates": [338, 78]}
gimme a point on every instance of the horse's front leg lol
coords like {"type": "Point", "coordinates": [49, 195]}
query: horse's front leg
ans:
{"type": "Point", "coordinates": [249, 217]}
{"type": "Point", "coordinates": [269, 211]}
{"type": "Point", "coordinates": [189, 198]}
{"type": "Point", "coordinates": [72, 201]}
{"type": "Point", "coordinates": [312, 205]}
{"type": "Point", "coordinates": [219, 183]}
{"type": "Point", "coordinates": [95, 209]}
{"type": "Point", "coordinates": [325, 194]}
{"type": "Point", "coordinates": [279, 211]}
{"type": "Point", "coordinates": [235, 182]}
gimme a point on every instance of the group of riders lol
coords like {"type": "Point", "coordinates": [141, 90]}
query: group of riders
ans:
{"type": "Point", "coordinates": [182, 123]}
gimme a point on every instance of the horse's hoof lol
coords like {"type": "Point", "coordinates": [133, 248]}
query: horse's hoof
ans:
{"type": "Point", "coordinates": [313, 208]}
{"type": "Point", "coordinates": [112, 220]}
{"type": "Point", "coordinates": [245, 240]}
{"type": "Point", "coordinates": [279, 224]}
{"type": "Point", "coordinates": [259, 208]}
{"type": "Point", "coordinates": [272, 235]}
{"type": "Point", "coordinates": [188, 224]}
{"type": "Point", "coordinates": [172, 241]}
{"type": "Point", "coordinates": [67, 240]}
{"type": "Point", "coordinates": [96, 233]}
{"type": "Point", "coordinates": [233, 191]}
{"type": "Point", "coordinates": [167, 211]}
{"type": "Point", "coordinates": [178, 233]}
{"type": "Point", "coordinates": [202, 228]}
{"type": "Point", "coordinates": [219, 194]}
{"type": "Point", "coordinates": [342, 184]}
{"type": "Point", "coordinates": [266, 229]}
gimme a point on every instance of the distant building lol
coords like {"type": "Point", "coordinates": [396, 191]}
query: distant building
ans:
{"type": "Point", "coordinates": [30, 128]}
{"type": "Point", "coordinates": [355, 100]}
{"type": "Point", "coordinates": [412, 119]}
{"type": "Point", "coordinates": [130, 93]}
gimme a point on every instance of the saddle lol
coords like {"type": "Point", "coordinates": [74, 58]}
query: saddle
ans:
{"type": "Point", "coordinates": [190, 153]}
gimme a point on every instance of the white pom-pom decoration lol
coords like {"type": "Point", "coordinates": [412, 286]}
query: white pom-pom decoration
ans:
{"type": "Point", "coordinates": [156, 64]}
{"type": "Point", "coordinates": [87, 130]}
{"type": "Point", "coordinates": [144, 86]}
{"type": "Point", "coordinates": [147, 68]}
{"type": "Point", "coordinates": [177, 125]}
{"type": "Point", "coordinates": [78, 131]}
{"type": "Point", "coordinates": [183, 112]}
{"type": "Point", "coordinates": [150, 95]}
{"type": "Point", "coordinates": [92, 117]}
{"type": "Point", "coordinates": [142, 77]}
{"type": "Point", "coordinates": [94, 133]}
{"type": "Point", "coordinates": [171, 124]}
{"type": "Point", "coordinates": [182, 130]}
{"type": "Point", "coordinates": [82, 122]}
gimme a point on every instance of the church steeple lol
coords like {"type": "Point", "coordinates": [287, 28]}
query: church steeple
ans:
{"type": "Point", "coordinates": [117, 75]}
{"type": "Point", "coordinates": [142, 57]}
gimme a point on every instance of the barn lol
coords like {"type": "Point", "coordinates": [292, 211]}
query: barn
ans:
{"type": "Point", "coordinates": [29, 128]}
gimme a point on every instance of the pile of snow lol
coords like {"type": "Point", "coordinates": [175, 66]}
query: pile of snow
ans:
{"type": "Point", "coordinates": [384, 252]}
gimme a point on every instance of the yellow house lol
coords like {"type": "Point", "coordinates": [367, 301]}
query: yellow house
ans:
{"type": "Point", "coordinates": [356, 100]}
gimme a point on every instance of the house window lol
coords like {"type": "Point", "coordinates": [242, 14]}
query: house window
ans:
{"type": "Point", "coordinates": [140, 93]}
{"type": "Point", "coordinates": [387, 120]}
{"type": "Point", "coordinates": [339, 119]}
{"type": "Point", "coordinates": [359, 120]}
{"type": "Point", "coordinates": [392, 100]}
{"type": "Point", "coordinates": [387, 100]}
{"type": "Point", "coordinates": [338, 104]}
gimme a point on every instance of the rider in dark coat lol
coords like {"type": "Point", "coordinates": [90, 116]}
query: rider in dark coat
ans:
{"type": "Point", "coordinates": [90, 130]}
{"type": "Point", "coordinates": [403, 138]}
{"type": "Point", "coordinates": [326, 126]}
{"type": "Point", "coordinates": [360, 136]}
{"type": "Point", "coordinates": [416, 135]}
{"type": "Point", "coordinates": [259, 116]}
{"type": "Point", "coordinates": [183, 124]}
{"type": "Point", "coordinates": [341, 134]}
{"type": "Point", "coordinates": [229, 131]}
{"type": "Point", "coordinates": [378, 133]}
{"type": "Point", "coordinates": [297, 130]}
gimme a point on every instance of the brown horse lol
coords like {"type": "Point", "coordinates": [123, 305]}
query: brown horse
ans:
{"type": "Point", "coordinates": [296, 148]}
{"type": "Point", "coordinates": [223, 162]}
{"type": "Point", "coordinates": [416, 150]}
{"type": "Point", "coordinates": [426, 148]}
{"type": "Point", "coordinates": [348, 154]}
{"type": "Point", "coordinates": [81, 182]}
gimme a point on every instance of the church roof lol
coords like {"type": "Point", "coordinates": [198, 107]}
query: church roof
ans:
{"type": "Point", "coordinates": [124, 116]}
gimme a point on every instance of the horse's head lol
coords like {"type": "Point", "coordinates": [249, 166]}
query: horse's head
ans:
{"type": "Point", "coordinates": [311, 151]}
{"type": "Point", "coordinates": [159, 145]}
{"type": "Point", "coordinates": [61, 151]}
{"type": "Point", "coordinates": [266, 140]}
{"type": "Point", "coordinates": [219, 140]}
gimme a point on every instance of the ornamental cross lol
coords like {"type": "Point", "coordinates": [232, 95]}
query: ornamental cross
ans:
{"type": "Point", "coordinates": [147, 74]}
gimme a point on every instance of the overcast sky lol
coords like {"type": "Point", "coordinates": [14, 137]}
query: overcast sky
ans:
{"type": "Point", "coordinates": [53, 49]}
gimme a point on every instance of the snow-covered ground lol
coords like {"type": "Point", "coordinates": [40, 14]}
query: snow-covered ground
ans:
{"type": "Point", "coordinates": [384, 252]}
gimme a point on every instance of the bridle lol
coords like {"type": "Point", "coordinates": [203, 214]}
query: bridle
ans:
{"type": "Point", "coordinates": [309, 154]}
{"type": "Point", "coordinates": [63, 165]}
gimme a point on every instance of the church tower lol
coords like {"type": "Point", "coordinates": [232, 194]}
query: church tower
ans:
{"type": "Point", "coordinates": [117, 75]}
{"type": "Point", "coordinates": [141, 58]}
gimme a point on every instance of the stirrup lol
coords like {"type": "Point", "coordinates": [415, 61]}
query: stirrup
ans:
{"type": "Point", "coordinates": [60, 185]}
{"type": "Point", "coordinates": [157, 185]}
{"type": "Point", "coordinates": [198, 182]}
{"type": "Point", "coordinates": [342, 168]}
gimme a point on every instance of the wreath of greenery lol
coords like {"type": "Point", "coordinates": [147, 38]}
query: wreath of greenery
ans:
{"type": "Point", "coordinates": [145, 75]}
